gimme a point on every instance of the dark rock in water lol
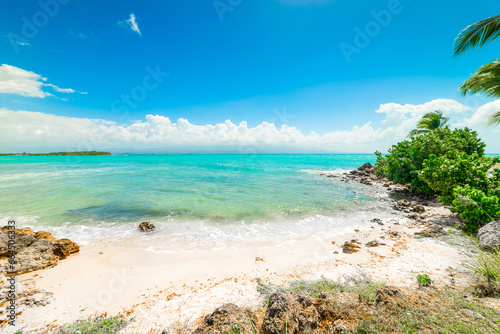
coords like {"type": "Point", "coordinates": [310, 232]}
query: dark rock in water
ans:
{"type": "Point", "coordinates": [228, 318]}
{"type": "Point", "coordinates": [147, 227]}
{"type": "Point", "coordinates": [432, 231]}
{"type": "Point", "coordinates": [290, 313]}
{"type": "Point", "coordinates": [365, 166]}
{"type": "Point", "coordinates": [65, 247]}
{"type": "Point", "coordinates": [489, 235]}
{"type": "Point", "coordinates": [387, 295]}
{"type": "Point", "coordinates": [377, 220]}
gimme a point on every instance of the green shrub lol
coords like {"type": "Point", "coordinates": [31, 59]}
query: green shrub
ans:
{"type": "Point", "coordinates": [406, 159]}
{"type": "Point", "coordinates": [475, 206]}
{"type": "Point", "coordinates": [424, 280]}
{"type": "Point", "coordinates": [442, 174]}
{"type": "Point", "coordinates": [95, 326]}
{"type": "Point", "coordinates": [381, 165]}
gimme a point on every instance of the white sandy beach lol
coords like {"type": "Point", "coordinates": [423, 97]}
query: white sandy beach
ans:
{"type": "Point", "coordinates": [165, 290]}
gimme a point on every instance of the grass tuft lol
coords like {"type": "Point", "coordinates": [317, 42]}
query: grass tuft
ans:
{"type": "Point", "coordinates": [95, 326]}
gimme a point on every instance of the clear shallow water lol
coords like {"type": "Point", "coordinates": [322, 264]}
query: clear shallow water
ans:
{"type": "Point", "coordinates": [198, 199]}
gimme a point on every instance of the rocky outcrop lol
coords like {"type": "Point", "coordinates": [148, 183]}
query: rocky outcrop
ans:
{"type": "Point", "coordinates": [290, 313]}
{"type": "Point", "coordinates": [44, 235]}
{"type": "Point", "coordinates": [147, 227]}
{"type": "Point", "coordinates": [39, 255]}
{"type": "Point", "coordinates": [33, 250]}
{"type": "Point", "coordinates": [21, 240]}
{"type": "Point", "coordinates": [374, 243]}
{"type": "Point", "coordinates": [489, 235]}
{"type": "Point", "coordinates": [350, 247]}
{"type": "Point", "coordinates": [366, 166]}
{"type": "Point", "coordinates": [405, 205]}
{"type": "Point", "coordinates": [387, 295]}
{"type": "Point", "coordinates": [228, 318]}
{"type": "Point", "coordinates": [295, 313]}
{"type": "Point", "coordinates": [65, 247]}
{"type": "Point", "coordinates": [432, 231]}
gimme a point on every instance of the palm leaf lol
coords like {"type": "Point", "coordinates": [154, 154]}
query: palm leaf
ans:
{"type": "Point", "coordinates": [494, 119]}
{"type": "Point", "coordinates": [430, 121]}
{"type": "Point", "coordinates": [486, 80]}
{"type": "Point", "coordinates": [477, 34]}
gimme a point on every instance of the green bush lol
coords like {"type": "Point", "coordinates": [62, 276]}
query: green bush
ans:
{"type": "Point", "coordinates": [450, 164]}
{"type": "Point", "coordinates": [475, 206]}
{"type": "Point", "coordinates": [424, 280]}
{"type": "Point", "coordinates": [442, 174]}
{"type": "Point", "coordinates": [406, 159]}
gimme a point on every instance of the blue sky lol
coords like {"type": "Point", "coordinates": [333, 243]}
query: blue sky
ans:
{"type": "Point", "coordinates": [258, 62]}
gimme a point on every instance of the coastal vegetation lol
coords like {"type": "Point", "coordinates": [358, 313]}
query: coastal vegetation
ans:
{"type": "Point", "coordinates": [451, 165]}
{"type": "Point", "coordinates": [485, 80]}
{"type": "Point", "coordinates": [99, 325]}
{"type": "Point", "coordinates": [58, 153]}
{"type": "Point", "coordinates": [430, 121]}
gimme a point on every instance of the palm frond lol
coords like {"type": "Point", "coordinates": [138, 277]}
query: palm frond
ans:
{"type": "Point", "coordinates": [494, 119]}
{"type": "Point", "coordinates": [486, 80]}
{"type": "Point", "coordinates": [477, 34]}
{"type": "Point", "coordinates": [416, 132]}
{"type": "Point", "coordinates": [430, 121]}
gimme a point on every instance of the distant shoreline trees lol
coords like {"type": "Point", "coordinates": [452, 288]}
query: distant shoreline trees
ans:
{"type": "Point", "coordinates": [57, 153]}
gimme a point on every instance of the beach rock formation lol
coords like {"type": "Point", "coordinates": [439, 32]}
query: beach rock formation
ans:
{"type": "Point", "coordinates": [387, 295]}
{"type": "Point", "coordinates": [39, 255]}
{"type": "Point", "coordinates": [65, 247]}
{"type": "Point", "coordinates": [44, 235]}
{"type": "Point", "coordinates": [289, 312]}
{"type": "Point", "coordinates": [350, 247]}
{"type": "Point", "coordinates": [33, 250]}
{"type": "Point", "coordinates": [489, 235]}
{"type": "Point", "coordinates": [374, 243]}
{"type": "Point", "coordinates": [365, 166]}
{"type": "Point", "coordinates": [228, 318]}
{"type": "Point", "coordinates": [432, 231]}
{"type": "Point", "coordinates": [147, 227]}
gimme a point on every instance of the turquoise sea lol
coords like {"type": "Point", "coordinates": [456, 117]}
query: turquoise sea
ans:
{"type": "Point", "coordinates": [198, 199]}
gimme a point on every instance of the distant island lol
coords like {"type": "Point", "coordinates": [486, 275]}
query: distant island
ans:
{"type": "Point", "coordinates": [57, 153]}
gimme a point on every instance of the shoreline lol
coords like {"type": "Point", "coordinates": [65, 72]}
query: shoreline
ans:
{"type": "Point", "coordinates": [162, 290]}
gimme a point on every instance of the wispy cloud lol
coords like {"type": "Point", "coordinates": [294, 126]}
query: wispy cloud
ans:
{"type": "Point", "coordinates": [131, 23]}
{"type": "Point", "coordinates": [15, 80]}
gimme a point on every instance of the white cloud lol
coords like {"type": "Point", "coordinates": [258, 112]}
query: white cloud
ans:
{"type": "Point", "coordinates": [479, 117]}
{"type": "Point", "coordinates": [131, 23]}
{"type": "Point", "coordinates": [15, 80]}
{"type": "Point", "coordinates": [24, 130]}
